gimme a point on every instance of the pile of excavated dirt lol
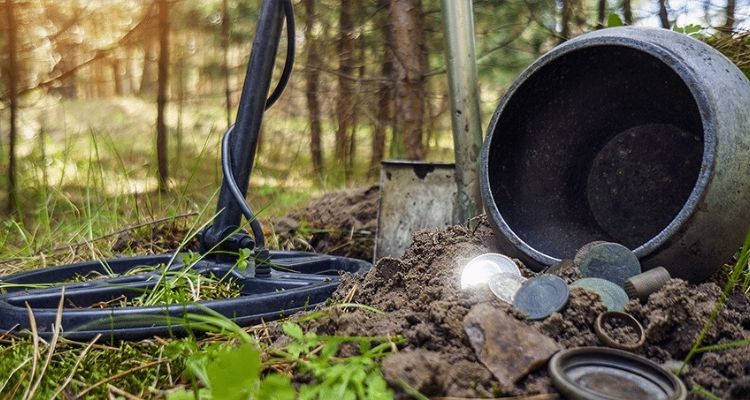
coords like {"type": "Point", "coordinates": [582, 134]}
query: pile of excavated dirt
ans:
{"type": "Point", "coordinates": [342, 223]}
{"type": "Point", "coordinates": [422, 301]}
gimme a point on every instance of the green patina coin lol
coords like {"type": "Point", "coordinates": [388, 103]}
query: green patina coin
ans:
{"type": "Point", "coordinates": [611, 261]}
{"type": "Point", "coordinates": [613, 296]}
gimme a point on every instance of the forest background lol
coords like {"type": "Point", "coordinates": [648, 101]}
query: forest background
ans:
{"type": "Point", "coordinates": [112, 111]}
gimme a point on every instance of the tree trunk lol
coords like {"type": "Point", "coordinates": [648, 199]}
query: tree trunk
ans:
{"type": "Point", "coordinates": [729, 12]}
{"type": "Point", "coordinates": [384, 93]}
{"type": "Point", "coordinates": [147, 78]}
{"type": "Point", "coordinates": [627, 12]}
{"type": "Point", "coordinates": [345, 99]}
{"type": "Point", "coordinates": [601, 11]}
{"type": "Point", "coordinates": [565, 20]}
{"type": "Point", "coordinates": [312, 76]}
{"type": "Point", "coordinates": [180, 108]}
{"type": "Point", "coordinates": [161, 97]}
{"type": "Point", "coordinates": [117, 75]}
{"type": "Point", "coordinates": [409, 91]}
{"type": "Point", "coordinates": [356, 108]}
{"type": "Point", "coordinates": [663, 16]}
{"type": "Point", "coordinates": [225, 39]}
{"type": "Point", "coordinates": [13, 73]}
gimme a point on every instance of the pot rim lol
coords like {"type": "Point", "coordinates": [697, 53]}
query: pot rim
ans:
{"type": "Point", "coordinates": [637, 39]}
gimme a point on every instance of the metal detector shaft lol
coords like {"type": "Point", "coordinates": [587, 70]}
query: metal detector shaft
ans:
{"type": "Point", "coordinates": [244, 140]}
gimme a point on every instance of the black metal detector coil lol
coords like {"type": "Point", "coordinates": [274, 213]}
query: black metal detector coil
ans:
{"type": "Point", "coordinates": [281, 283]}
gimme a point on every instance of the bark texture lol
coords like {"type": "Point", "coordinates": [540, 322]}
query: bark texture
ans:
{"type": "Point", "coordinates": [405, 17]}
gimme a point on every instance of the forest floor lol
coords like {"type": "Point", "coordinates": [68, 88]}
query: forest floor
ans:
{"type": "Point", "coordinates": [399, 331]}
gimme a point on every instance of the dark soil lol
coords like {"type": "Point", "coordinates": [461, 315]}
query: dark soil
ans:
{"type": "Point", "coordinates": [342, 223]}
{"type": "Point", "coordinates": [621, 332]}
{"type": "Point", "coordinates": [422, 301]}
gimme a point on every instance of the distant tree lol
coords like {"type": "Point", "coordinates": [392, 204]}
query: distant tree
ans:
{"type": "Point", "coordinates": [312, 78]}
{"type": "Point", "coordinates": [729, 12]}
{"type": "Point", "coordinates": [663, 15]}
{"type": "Point", "coordinates": [601, 11]}
{"type": "Point", "coordinates": [565, 14]}
{"type": "Point", "coordinates": [225, 40]}
{"type": "Point", "coordinates": [13, 69]}
{"type": "Point", "coordinates": [405, 17]}
{"type": "Point", "coordinates": [345, 99]}
{"type": "Point", "coordinates": [627, 12]}
{"type": "Point", "coordinates": [161, 97]}
{"type": "Point", "coordinates": [384, 92]}
{"type": "Point", "coordinates": [148, 80]}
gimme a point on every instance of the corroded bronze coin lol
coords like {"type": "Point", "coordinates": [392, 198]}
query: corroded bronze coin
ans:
{"type": "Point", "coordinates": [613, 296]}
{"type": "Point", "coordinates": [611, 261]}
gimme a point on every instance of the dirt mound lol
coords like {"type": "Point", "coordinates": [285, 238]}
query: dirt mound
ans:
{"type": "Point", "coordinates": [673, 318]}
{"type": "Point", "coordinates": [422, 301]}
{"type": "Point", "coordinates": [342, 223]}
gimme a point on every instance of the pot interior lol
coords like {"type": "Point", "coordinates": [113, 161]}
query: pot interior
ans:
{"type": "Point", "coordinates": [602, 143]}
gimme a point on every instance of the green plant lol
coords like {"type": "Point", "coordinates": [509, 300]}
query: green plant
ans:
{"type": "Point", "coordinates": [240, 371]}
{"type": "Point", "coordinates": [355, 377]}
{"type": "Point", "coordinates": [739, 278]}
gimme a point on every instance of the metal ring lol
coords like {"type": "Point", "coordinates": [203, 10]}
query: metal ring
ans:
{"type": "Point", "coordinates": [629, 320]}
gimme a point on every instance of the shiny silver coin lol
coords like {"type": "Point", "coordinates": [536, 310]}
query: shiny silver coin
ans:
{"type": "Point", "coordinates": [505, 285]}
{"type": "Point", "coordinates": [480, 269]}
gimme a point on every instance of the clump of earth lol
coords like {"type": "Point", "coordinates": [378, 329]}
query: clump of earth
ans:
{"type": "Point", "coordinates": [421, 298]}
{"type": "Point", "coordinates": [341, 223]}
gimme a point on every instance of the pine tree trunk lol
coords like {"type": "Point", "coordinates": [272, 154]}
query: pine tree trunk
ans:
{"type": "Point", "coordinates": [352, 151]}
{"type": "Point", "coordinates": [407, 65]}
{"type": "Point", "coordinates": [601, 11]}
{"type": "Point", "coordinates": [117, 75]}
{"type": "Point", "coordinates": [312, 77]}
{"type": "Point", "coordinates": [730, 18]}
{"type": "Point", "coordinates": [384, 93]}
{"type": "Point", "coordinates": [13, 73]}
{"type": "Point", "coordinates": [147, 77]}
{"type": "Point", "coordinates": [627, 12]}
{"type": "Point", "coordinates": [225, 40]}
{"type": "Point", "coordinates": [565, 20]}
{"type": "Point", "coordinates": [663, 16]}
{"type": "Point", "coordinates": [161, 97]}
{"type": "Point", "coordinates": [345, 99]}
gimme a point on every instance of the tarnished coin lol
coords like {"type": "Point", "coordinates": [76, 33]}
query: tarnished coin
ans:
{"type": "Point", "coordinates": [479, 270]}
{"type": "Point", "coordinates": [584, 250]}
{"type": "Point", "coordinates": [539, 297]}
{"type": "Point", "coordinates": [613, 296]}
{"type": "Point", "coordinates": [611, 261]}
{"type": "Point", "coordinates": [505, 285]}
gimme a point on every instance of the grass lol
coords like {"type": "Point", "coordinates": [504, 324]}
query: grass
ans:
{"type": "Point", "coordinates": [737, 280]}
{"type": "Point", "coordinates": [86, 175]}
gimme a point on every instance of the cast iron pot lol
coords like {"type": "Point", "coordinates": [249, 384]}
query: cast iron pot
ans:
{"type": "Point", "coordinates": [631, 135]}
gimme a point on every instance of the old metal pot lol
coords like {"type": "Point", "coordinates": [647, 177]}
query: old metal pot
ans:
{"type": "Point", "coordinates": [632, 135]}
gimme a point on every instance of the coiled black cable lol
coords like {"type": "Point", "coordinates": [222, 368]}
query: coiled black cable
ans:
{"type": "Point", "coordinates": [226, 158]}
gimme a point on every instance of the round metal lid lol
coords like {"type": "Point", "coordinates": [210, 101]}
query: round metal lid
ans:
{"type": "Point", "coordinates": [599, 373]}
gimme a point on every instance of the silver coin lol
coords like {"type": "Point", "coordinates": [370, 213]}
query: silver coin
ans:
{"type": "Point", "coordinates": [505, 285]}
{"type": "Point", "coordinates": [480, 269]}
